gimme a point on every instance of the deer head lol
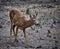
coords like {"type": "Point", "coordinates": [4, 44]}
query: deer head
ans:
{"type": "Point", "coordinates": [34, 19]}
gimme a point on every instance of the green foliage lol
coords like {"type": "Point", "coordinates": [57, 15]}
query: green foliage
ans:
{"type": "Point", "coordinates": [47, 5]}
{"type": "Point", "coordinates": [27, 11]}
{"type": "Point", "coordinates": [58, 9]}
{"type": "Point", "coordinates": [42, 17]}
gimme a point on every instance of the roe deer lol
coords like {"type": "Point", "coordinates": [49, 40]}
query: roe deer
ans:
{"type": "Point", "coordinates": [19, 21]}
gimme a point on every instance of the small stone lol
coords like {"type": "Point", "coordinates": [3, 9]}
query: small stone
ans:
{"type": "Point", "coordinates": [49, 36]}
{"type": "Point", "coordinates": [56, 41]}
{"type": "Point", "coordinates": [21, 35]}
{"type": "Point", "coordinates": [55, 48]}
{"type": "Point", "coordinates": [37, 31]}
{"type": "Point", "coordinates": [54, 22]}
{"type": "Point", "coordinates": [1, 9]}
{"type": "Point", "coordinates": [58, 22]}
{"type": "Point", "coordinates": [39, 46]}
{"type": "Point", "coordinates": [1, 26]}
{"type": "Point", "coordinates": [7, 46]}
{"type": "Point", "coordinates": [51, 26]}
{"type": "Point", "coordinates": [31, 46]}
{"type": "Point", "coordinates": [22, 42]}
{"type": "Point", "coordinates": [49, 31]}
{"type": "Point", "coordinates": [54, 37]}
{"type": "Point", "coordinates": [41, 39]}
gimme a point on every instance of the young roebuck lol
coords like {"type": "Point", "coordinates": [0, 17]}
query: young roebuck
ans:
{"type": "Point", "coordinates": [18, 21]}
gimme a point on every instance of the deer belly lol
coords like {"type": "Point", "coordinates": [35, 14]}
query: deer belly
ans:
{"type": "Point", "coordinates": [21, 28]}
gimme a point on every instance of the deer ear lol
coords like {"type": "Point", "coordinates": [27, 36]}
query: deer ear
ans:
{"type": "Point", "coordinates": [36, 13]}
{"type": "Point", "coordinates": [34, 16]}
{"type": "Point", "coordinates": [30, 16]}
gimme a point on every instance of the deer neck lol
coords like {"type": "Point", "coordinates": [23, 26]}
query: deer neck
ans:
{"type": "Point", "coordinates": [30, 22]}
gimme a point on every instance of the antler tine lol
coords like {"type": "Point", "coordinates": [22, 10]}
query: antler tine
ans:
{"type": "Point", "coordinates": [30, 15]}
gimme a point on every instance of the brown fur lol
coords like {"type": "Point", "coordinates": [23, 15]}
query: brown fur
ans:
{"type": "Point", "coordinates": [19, 21]}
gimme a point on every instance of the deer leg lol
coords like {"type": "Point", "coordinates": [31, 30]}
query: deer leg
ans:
{"type": "Point", "coordinates": [16, 35]}
{"type": "Point", "coordinates": [26, 41]}
{"type": "Point", "coordinates": [10, 32]}
{"type": "Point", "coordinates": [13, 29]}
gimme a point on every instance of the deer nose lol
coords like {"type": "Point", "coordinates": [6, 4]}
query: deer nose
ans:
{"type": "Point", "coordinates": [37, 22]}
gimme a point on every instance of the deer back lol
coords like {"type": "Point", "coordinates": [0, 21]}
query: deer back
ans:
{"type": "Point", "coordinates": [14, 13]}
